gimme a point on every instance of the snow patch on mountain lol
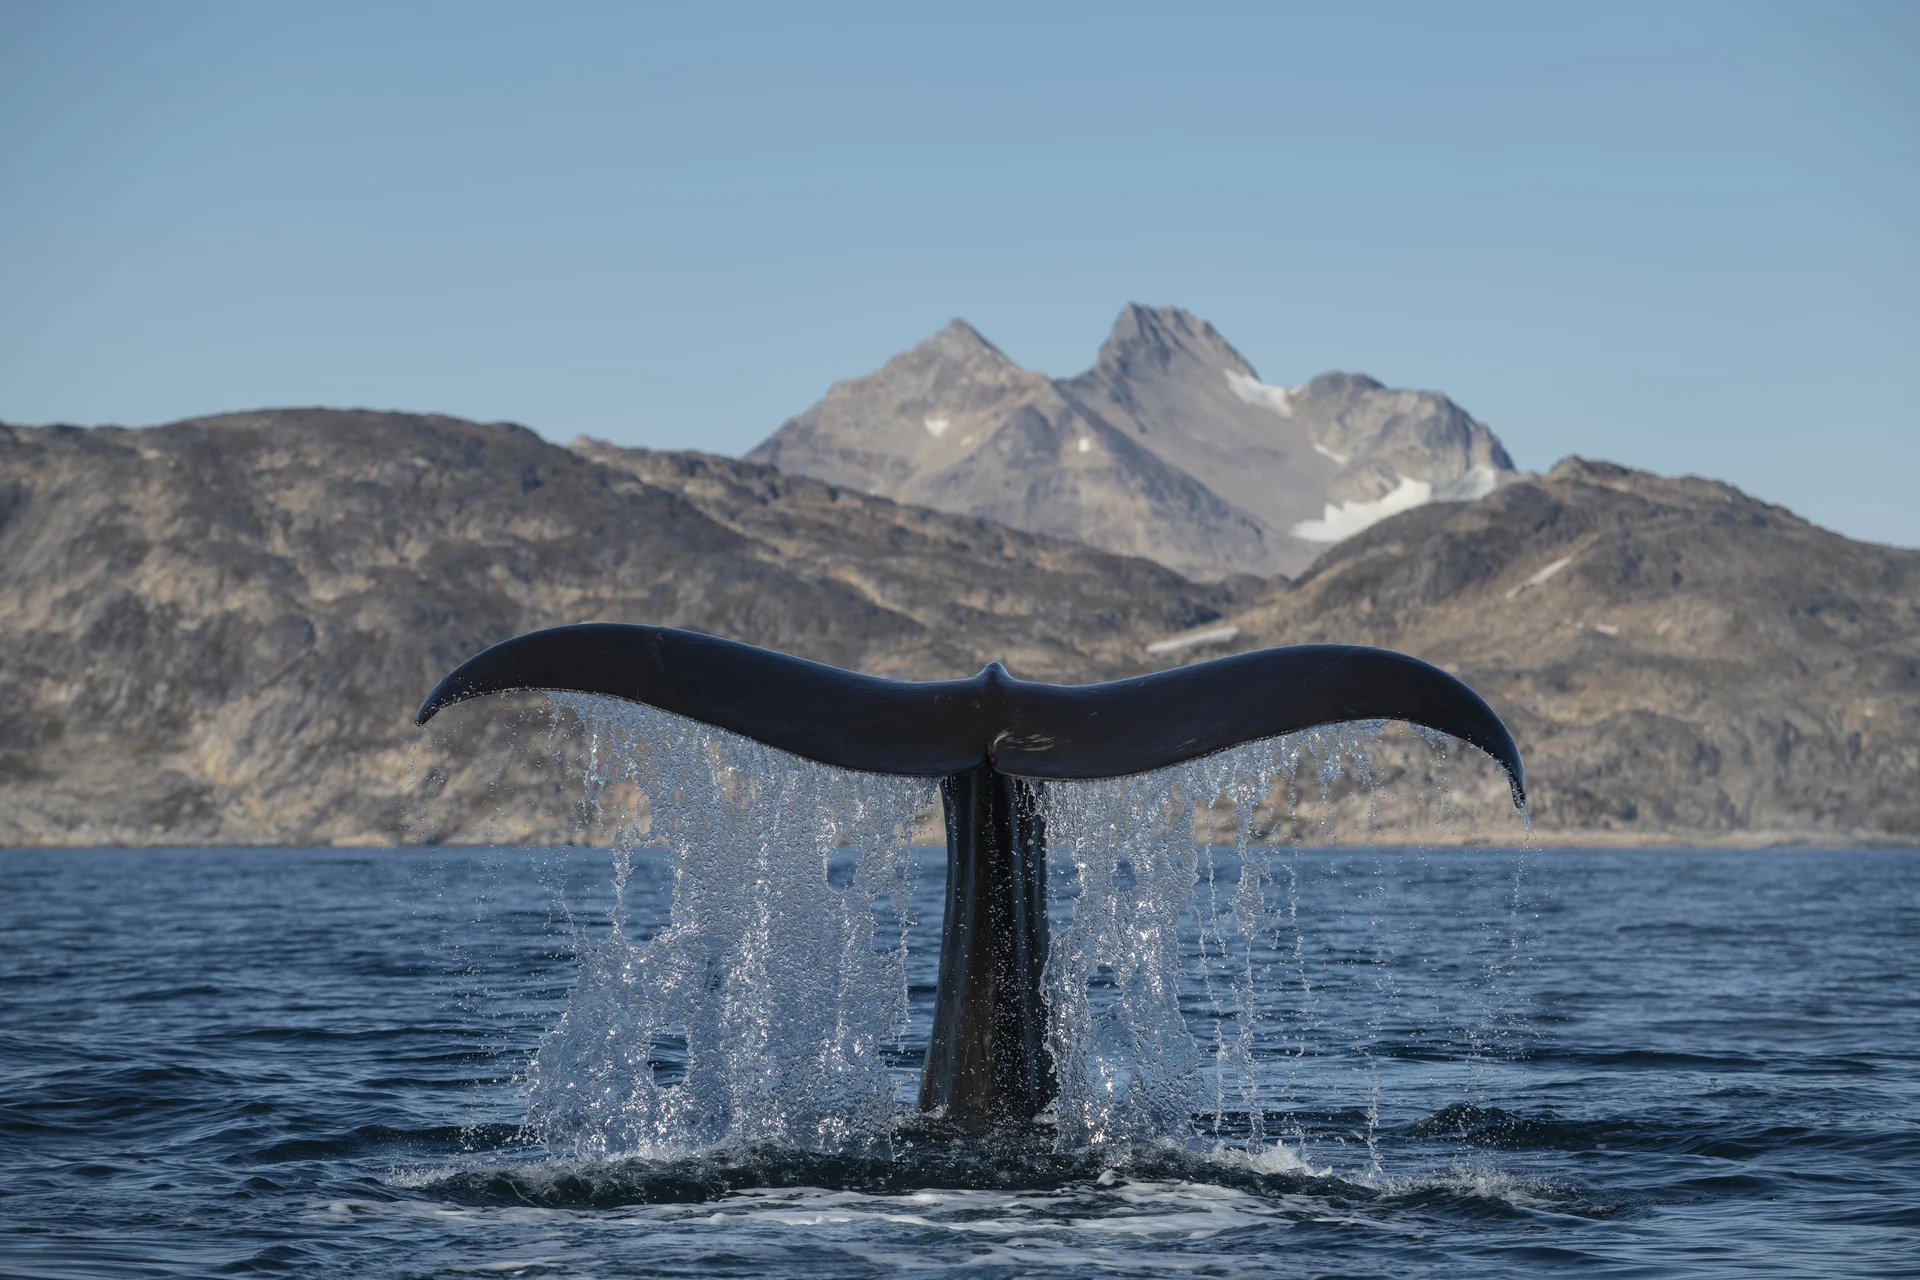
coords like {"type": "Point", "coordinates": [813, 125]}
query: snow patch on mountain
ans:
{"type": "Point", "coordinates": [1255, 392]}
{"type": "Point", "coordinates": [1192, 640]}
{"type": "Point", "coordinates": [1348, 518]}
{"type": "Point", "coordinates": [1471, 487]}
{"type": "Point", "coordinates": [1539, 577]}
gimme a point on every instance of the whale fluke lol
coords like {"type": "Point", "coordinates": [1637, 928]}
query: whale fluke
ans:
{"type": "Point", "coordinates": [993, 741]}
{"type": "Point", "coordinates": [1020, 727]}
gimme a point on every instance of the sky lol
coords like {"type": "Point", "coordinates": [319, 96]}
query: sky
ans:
{"type": "Point", "coordinates": [1683, 237]}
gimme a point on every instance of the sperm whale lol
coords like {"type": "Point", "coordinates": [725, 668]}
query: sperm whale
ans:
{"type": "Point", "coordinates": [994, 741]}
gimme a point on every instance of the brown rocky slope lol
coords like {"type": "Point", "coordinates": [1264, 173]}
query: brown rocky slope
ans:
{"type": "Point", "coordinates": [216, 631]}
{"type": "Point", "coordinates": [1678, 661]}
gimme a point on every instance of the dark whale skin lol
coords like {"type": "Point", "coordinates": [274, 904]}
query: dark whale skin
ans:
{"type": "Point", "coordinates": [1024, 728]}
{"type": "Point", "coordinates": [993, 741]}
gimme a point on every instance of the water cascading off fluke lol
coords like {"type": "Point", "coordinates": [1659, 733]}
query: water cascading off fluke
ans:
{"type": "Point", "coordinates": [993, 741]}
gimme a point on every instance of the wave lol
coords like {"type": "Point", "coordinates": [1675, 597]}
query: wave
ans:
{"type": "Point", "coordinates": [1113, 1176]}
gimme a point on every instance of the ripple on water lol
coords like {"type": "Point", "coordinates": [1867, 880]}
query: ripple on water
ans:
{"type": "Point", "coordinates": [317, 1062]}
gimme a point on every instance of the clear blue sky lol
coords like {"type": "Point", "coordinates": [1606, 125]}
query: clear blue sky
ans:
{"type": "Point", "coordinates": [1681, 236]}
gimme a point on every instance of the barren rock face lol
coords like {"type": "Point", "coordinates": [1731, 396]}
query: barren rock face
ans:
{"type": "Point", "coordinates": [1170, 447]}
{"type": "Point", "coordinates": [1677, 660]}
{"type": "Point", "coordinates": [218, 631]}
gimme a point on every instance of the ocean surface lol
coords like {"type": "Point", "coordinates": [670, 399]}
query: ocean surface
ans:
{"type": "Point", "coordinates": [1489, 1063]}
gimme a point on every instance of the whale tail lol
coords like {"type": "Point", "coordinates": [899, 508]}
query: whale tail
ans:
{"type": "Point", "coordinates": [994, 741]}
{"type": "Point", "coordinates": [1023, 728]}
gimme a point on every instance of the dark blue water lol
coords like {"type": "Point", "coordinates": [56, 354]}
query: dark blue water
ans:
{"type": "Point", "coordinates": [1664, 1063]}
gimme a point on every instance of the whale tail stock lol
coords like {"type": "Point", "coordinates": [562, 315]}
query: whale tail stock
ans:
{"type": "Point", "coordinates": [994, 741]}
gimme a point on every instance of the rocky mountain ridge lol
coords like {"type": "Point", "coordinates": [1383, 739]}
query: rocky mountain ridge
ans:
{"type": "Point", "coordinates": [1678, 659]}
{"type": "Point", "coordinates": [1169, 447]}
{"type": "Point", "coordinates": [216, 631]}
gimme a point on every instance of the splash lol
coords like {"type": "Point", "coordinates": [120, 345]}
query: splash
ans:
{"type": "Point", "coordinates": [760, 1013]}
{"type": "Point", "coordinates": [1231, 969]}
{"type": "Point", "coordinates": [1234, 951]}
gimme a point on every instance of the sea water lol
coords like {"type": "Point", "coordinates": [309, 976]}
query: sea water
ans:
{"type": "Point", "coordinates": [693, 1049]}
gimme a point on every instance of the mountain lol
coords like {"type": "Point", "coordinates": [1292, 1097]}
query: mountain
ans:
{"type": "Point", "coordinates": [956, 426]}
{"type": "Point", "coordinates": [218, 630]}
{"type": "Point", "coordinates": [1170, 447]}
{"type": "Point", "coordinates": [1678, 660]}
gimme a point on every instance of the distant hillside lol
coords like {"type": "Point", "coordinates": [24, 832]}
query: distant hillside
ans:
{"type": "Point", "coordinates": [1170, 447]}
{"type": "Point", "coordinates": [217, 631]}
{"type": "Point", "coordinates": [1677, 660]}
